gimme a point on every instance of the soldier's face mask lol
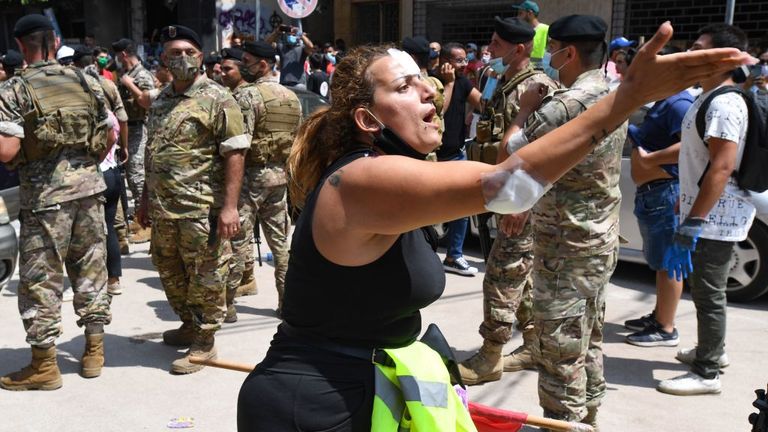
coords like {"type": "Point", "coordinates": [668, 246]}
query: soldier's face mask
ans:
{"type": "Point", "coordinates": [550, 70]}
{"type": "Point", "coordinates": [184, 67]}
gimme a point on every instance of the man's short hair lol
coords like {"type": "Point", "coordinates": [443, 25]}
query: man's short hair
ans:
{"type": "Point", "coordinates": [591, 53]}
{"type": "Point", "coordinates": [447, 49]}
{"type": "Point", "coordinates": [726, 36]}
{"type": "Point", "coordinates": [316, 61]}
{"type": "Point", "coordinates": [34, 41]}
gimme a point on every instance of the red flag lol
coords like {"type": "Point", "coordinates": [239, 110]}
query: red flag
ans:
{"type": "Point", "coordinates": [489, 419]}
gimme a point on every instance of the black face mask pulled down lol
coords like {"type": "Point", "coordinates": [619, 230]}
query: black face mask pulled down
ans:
{"type": "Point", "coordinates": [388, 141]}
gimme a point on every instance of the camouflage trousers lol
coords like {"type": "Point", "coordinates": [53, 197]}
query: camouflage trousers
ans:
{"type": "Point", "coordinates": [137, 143]}
{"type": "Point", "coordinates": [269, 206]}
{"type": "Point", "coordinates": [71, 235]}
{"type": "Point", "coordinates": [193, 272]}
{"type": "Point", "coordinates": [569, 312]}
{"type": "Point", "coordinates": [507, 286]}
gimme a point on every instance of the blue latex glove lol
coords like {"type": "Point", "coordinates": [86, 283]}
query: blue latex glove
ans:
{"type": "Point", "coordinates": [677, 258]}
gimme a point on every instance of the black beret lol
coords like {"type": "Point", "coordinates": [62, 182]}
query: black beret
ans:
{"type": "Point", "coordinates": [13, 59]}
{"type": "Point", "coordinates": [81, 51]}
{"type": "Point", "coordinates": [211, 59]}
{"type": "Point", "coordinates": [416, 45]}
{"type": "Point", "coordinates": [513, 30]}
{"type": "Point", "coordinates": [178, 32]}
{"type": "Point", "coordinates": [260, 49]}
{"type": "Point", "coordinates": [29, 24]}
{"type": "Point", "coordinates": [575, 28]}
{"type": "Point", "coordinates": [121, 45]}
{"type": "Point", "coordinates": [232, 54]}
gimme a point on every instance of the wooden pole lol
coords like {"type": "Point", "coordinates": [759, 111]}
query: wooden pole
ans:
{"type": "Point", "coordinates": [540, 422]}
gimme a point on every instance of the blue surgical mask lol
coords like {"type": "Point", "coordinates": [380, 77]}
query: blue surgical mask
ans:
{"type": "Point", "coordinates": [497, 65]}
{"type": "Point", "coordinates": [471, 57]}
{"type": "Point", "coordinates": [546, 64]}
{"type": "Point", "coordinates": [490, 88]}
{"type": "Point", "coordinates": [292, 40]}
{"type": "Point", "coordinates": [331, 58]}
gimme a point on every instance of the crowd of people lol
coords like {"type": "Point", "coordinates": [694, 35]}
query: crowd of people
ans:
{"type": "Point", "coordinates": [211, 145]}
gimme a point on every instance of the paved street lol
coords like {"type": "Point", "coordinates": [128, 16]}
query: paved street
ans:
{"type": "Point", "coordinates": [137, 393]}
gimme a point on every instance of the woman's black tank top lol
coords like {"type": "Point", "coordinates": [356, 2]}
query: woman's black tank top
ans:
{"type": "Point", "coordinates": [373, 306]}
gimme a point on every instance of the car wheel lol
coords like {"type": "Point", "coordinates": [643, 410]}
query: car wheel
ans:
{"type": "Point", "coordinates": [748, 278]}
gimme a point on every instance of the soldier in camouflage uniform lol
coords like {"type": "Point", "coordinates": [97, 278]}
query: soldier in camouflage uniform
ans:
{"type": "Point", "coordinates": [126, 57]}
{"type": "Point", "coordinates": [575, 229]}
{"type": "Point", "coordinates": [194, 171]}
{"type": "Point", "coordinates": [53, 127]}
{"type": "Point", "coordinates": [272, 114]}
{"type": "Point", "coordinates": [506, 285]}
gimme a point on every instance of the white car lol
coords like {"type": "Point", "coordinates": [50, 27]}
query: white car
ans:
{"type": "Point", "coordinates": [748, 279]}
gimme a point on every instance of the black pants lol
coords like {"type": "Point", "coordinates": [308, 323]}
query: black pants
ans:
{"type": "Point", "coordinates": [112, 195]}
{"type": "Point", "coordinates": [307, 390]}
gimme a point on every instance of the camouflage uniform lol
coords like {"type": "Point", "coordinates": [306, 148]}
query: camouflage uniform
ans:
{"type": "Point", "coordinates": [272, 114]}
{"type": "Point", "coordinates": [62, 213]}
{"type": "Point", "coordinates": [506, 285]}
{"type": "Point", "coordinates": [188, 134]}
{"type": "Point", "coordinates": [137, 127]}
{"type": "Point", "coordinates": [575, 228]}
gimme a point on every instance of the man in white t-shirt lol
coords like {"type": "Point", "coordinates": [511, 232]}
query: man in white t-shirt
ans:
{"type": "Point", "coordinates": [715, 215]}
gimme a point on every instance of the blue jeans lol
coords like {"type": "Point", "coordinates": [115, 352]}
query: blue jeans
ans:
{"type": "Point", "coordinates": [656, 218]}
{"type": "Point", "coordinates": [457, 229]}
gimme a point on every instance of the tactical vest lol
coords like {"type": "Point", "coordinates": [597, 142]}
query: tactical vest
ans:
{"type": "Point", "coordinates": [416, 394]}
{"type": "Point", "coordinates": [275, 130]}
{"type": "Point", "coordinates": [493, 124]}
{"type": "Point", "coordinates": [64, 113]}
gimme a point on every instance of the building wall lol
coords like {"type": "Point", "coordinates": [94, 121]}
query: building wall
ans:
{"type": "Point", "coordinates": [472, 20]}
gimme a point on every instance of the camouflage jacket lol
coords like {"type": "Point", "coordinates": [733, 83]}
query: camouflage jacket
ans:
{"type": "Point", "coordinates": [144, 81]}
{"type": "Point", "coordinates": [66, 172]}
{"type": "Point", "coordinates": [579, 216]}
{"type": "Point", "coordinates": [188, 134]}
{"type": "Point", "coordinates": [501, 110]}
{"type": "Point", "coordinates": [263, 169]}
{"type": "Point", "coordinates": [114, 101]}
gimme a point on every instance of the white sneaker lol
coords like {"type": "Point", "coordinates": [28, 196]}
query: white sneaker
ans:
{"type": "Point", "coordinates": [687, 356]}
{"type": "Point", "coordinates": [459, 266]}
{"type": "Point", "coordinates": [114, 289]}
{"type": "Point", "coordinates": [689, 384]}
{"type": "Point", "coordinates": [68, 295]}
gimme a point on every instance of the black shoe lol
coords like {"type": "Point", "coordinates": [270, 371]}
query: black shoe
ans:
{"type": "Point", "coordinates": [654, 336]}
{"type": "Point", "coordinates": [641, 323]}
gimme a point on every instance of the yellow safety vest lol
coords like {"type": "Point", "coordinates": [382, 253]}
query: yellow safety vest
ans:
{"type": "Point", "coordinates": [416, 394]}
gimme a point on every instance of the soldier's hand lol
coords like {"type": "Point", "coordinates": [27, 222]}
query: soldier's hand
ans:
{"type": "Point", "coordinates": [229, 223]}
{"type": "Point", "coordinates": [447, 73]}
{"type": "Point", "coordinates": [126, 80]}
{"type": "Point", "coordinates": [142, 216]}
{"type": "Point", "coordinates": [123, 155]}
{"type": "Point", "coordinates": [513, 224]}
{"type": "Point", "coordinates": [531, 98]}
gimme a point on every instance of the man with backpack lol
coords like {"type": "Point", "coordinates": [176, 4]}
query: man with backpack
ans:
{"type": "Point", "coordinates": [715, 209]}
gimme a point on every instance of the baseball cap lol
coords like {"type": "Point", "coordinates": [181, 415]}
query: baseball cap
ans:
{"type": "Point", "coordinates": [528, 5]}
{"type": "Point", "coordinates": [621, 42]}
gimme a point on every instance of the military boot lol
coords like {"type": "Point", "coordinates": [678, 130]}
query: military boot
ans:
{"type": "Point", "coordinates": [591, 418]}
{"type": "Point", "coordinates": [247, 284]}
{"type": "Point", "coordinates": [485, 366]}
{"type": "Point", "coordinates": [180, 337]}
{"type": "Point", "coordinates": [41, 374]}
{"type": "Point", "coordinates": [231, 315]}
{"type": "Point", "coordinates": [202, 347]}
{"type": "Point", "coordinates": [93, 356]}
{"type": "Point", "coordinates": [141, 236]}
{"type": "Point", "coordinates": [521, 358]}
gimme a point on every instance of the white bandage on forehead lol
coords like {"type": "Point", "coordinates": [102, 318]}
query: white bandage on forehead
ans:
{"type": "Point", "coordinates": [511, 192]}
{"type": "Point", "coordinates": [405, 61]}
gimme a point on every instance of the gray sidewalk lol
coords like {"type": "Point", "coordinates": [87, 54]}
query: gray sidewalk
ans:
{"type": "Point", "coordinates": [137, 393]}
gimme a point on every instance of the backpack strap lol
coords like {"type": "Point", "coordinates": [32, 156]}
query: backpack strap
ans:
{"type": "Point", "coordinates": [701, 114]}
